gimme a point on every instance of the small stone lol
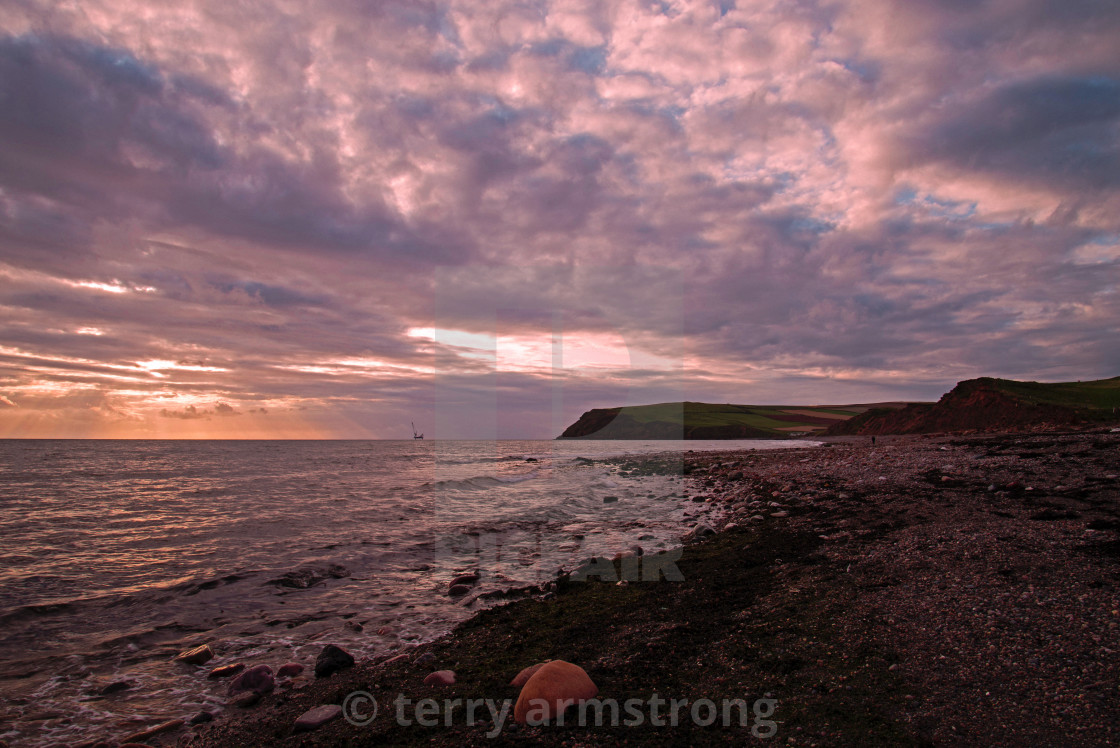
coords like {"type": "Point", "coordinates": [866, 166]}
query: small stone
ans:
{"type": "Point", "coordinates": [440, 678]}
{"type": "Point", "coordinates": [331, 660]}
{"type": "Point", "coordinates": [201, 718]}
{"type": "Point", "coordinates": [318, 717]}
{"type": "Point", "coordinates": [257, 679]}
{"type": "Point", "coordinates": [290, 670]}
{"type": "Point", "coordinates": [609, 499]}
{"type": "Point", "coordinates": [196, 656]}
{"type": "Point", "coordinates": [779, 514]}
{"type": "Point", "coordinates": [424, 659]}
{"type": "Point", "coordinates": [355, 626]}
{"type": "Point", "coordinates": [227, 670]}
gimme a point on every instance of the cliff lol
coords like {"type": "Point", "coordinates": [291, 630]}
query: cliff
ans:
{"type": "Point", "coordinates": [988, 404]}
{"type": "Point", "coordinates": [691, 420]}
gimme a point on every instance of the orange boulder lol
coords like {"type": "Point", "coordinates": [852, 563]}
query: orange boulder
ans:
{"type": "Point", "coordinates": [552, 689]}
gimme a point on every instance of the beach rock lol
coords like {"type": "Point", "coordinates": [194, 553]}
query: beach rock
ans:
{"type": "Point", "coordinates": [318, 717]}
{"type": "Point", "coordinates": [201, 718]}
{"type": "Point", "coordinates": [424, 659]}
{"type": "Point", "coordinates": [779, 514]}
{"type": "Point", "coordinates": [552, 689]}
{"type": "Point", "coordinates": [118, 686]}
{"type": "Point", "coordinates": [355, 626]}
{"type": "Point", "coordinates": [143, 735]}
{"type": "Point", "coordinates": [458, 590]}
{"type": "Point", "coordinates": [256, 679]}
{"type": "Point", "coordinates": [440, 678]}
{"type": "Point", "coordinates": [196, 656]}
{"type": "Point", "coordinates": [245, 700]}
{"type": "Point", "coordinates": [609, 499]}
{"type": "Point", "coordinates": [471, 578]}
{"type": "Point", "coordinates": [226, 671]}
{"type": "Point", "coordinates": [700, 531]}
{"type": "Point", "coordinates": [331, 660]}
{"type": "Point", "coordinates": [523, 677]}
{"type": "Point", "coordinates": [289, 670]}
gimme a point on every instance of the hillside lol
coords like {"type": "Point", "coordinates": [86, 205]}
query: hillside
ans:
{"type": "Point", "coordinates": [690, 420]}
{"type": "Point", "coordinates": [988, 404]}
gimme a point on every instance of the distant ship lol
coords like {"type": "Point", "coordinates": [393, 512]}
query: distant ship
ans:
{"type": "Point", "coordinates": [414, 434]}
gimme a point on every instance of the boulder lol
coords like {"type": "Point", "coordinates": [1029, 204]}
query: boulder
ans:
{"type": "Point", "coordinates": [196, 656]}
{"type": "Point", "coordinates": [331, 660]}
{"type": "Point", "coordinates": [553, 688]}
{"type": "Point", "coordinates": [256, 679]}
{"type": "Point", "coordinates": [440, 678]}
{"type": "Point", "coordinates": [317, 717]}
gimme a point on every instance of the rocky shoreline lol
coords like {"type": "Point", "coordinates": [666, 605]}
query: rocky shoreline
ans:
{"type": "Point", "coordinates": [923, 591]}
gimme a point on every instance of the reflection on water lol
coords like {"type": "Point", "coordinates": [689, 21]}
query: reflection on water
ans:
{"type": "Point", "coordinates": [116, 555]}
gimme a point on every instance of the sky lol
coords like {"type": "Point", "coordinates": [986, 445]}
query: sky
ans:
{"type": "Point", "coordinates": [233, 219]}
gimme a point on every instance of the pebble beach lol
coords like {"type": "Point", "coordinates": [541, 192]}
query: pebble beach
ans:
{"type": "Point", "coordinates": [944, 590]}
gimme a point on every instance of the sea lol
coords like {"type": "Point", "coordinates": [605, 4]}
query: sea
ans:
{"type": "Point", "coordinates": [117, 555]}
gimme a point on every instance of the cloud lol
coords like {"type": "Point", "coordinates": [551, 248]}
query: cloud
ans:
{"type": "Point", "coordinates": [192, 412]}
{"type": "Point", "coordinates": [789, 200]}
